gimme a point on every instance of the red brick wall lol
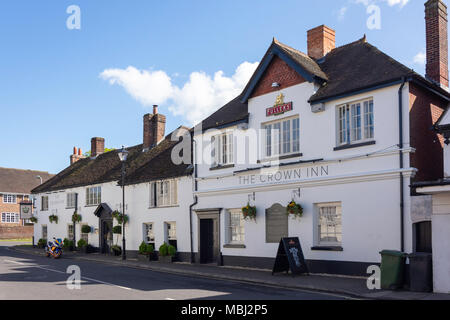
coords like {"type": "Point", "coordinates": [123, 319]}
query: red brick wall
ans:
{"type": "Point", "coordinates": [16, 232]}
{"type": "Point", "coordinates": [425, 109]}
{"type": "Point", "coordinates": [277, 71]}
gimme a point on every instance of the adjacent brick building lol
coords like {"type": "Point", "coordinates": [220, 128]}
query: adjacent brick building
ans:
{"type": "Point", "coordinates": [15, 187]}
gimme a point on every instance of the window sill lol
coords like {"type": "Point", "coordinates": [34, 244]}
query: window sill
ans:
{"type": "Point", "coordinates": [234, 246]}
{"type": "Point", "coordinates": [329, 248]}
{"type": "Point", "coordinates": [288, 156]}
{"type": "Point", "coordinates": [355, 145]}
{"type": "Point", "coordinates": [163, 207]}
{"type": "Point", "coordinates": [91, 205]}
{"type": "Point", "coordinates": [222, 167]}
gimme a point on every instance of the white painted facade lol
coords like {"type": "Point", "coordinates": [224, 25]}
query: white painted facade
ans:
{"type": "Point", "coordinates": [137, 199]}
{"type": "Point", "coordinates": [364, 180]}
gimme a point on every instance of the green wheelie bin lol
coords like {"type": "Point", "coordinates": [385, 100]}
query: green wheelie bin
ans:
{"type": "Point", "coordinates": [392, 269]}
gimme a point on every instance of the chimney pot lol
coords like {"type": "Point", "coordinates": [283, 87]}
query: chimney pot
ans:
{"type": "Point", "coordinates": [74, 150]}
{"type": "Point", "coordinates": [155, 109]}
{"type": "Point", "coordinates": [79, 151]}
{"type": "Point", "coordinates": [321, 40]}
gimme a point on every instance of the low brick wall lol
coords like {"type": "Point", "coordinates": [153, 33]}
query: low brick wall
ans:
{"type": "Point", "coordinates": [16, 232]}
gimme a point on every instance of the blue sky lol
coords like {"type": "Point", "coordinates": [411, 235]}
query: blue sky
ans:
{"type": "Point", "coordinates": [60, 87]}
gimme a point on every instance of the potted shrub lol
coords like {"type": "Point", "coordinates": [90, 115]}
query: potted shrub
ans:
{"type": "Point", "coordinates": [167, 253]}
{"type": "Point", "coordinates": [249, 212]}
{"type": "Point", "coordinates": [145, 252]}
{"type": "Point", "coordinates": [116, 250]}
{"type": "Point", "coordinates": [85, 229]}
{"type": "Point", "coordinates": [294, 209]}
{"type": "Point", "coordinates": [117, 230]}
{"type": "Point", "coordinates": [41, 243]}
{"type": "Point", "coordinates": [68, 244]}
{"type": "Point", "coordinates": [53, 218]}
{"type": "Point", "coordinates": [82, 245]}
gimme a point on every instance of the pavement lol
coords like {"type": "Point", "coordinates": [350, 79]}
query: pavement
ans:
{"type": "Point", "coordinates": [354, 287]}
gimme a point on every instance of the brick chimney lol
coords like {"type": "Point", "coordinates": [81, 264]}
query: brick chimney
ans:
{"type": "Point", "coordinates": [321, 40]}
{"type": "Point", "coordinates": [437, 42]}
{"type": "Point", "coordinates": [154, 128]}
{"type": "Point", "coordinates": [76, 156]}
{"type": "Point", "coordinates": [97, 146]}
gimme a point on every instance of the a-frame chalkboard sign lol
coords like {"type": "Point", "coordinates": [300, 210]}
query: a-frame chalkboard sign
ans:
{"type": "Point", "coordinates": [290, 257]}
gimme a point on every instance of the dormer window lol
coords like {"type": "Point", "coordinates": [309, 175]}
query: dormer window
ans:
{"type": "Point", "coordinates": [355, 122]}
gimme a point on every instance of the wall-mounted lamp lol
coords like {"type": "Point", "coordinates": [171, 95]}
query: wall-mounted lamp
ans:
{"type": "Point", "coordinates": [275, 85]}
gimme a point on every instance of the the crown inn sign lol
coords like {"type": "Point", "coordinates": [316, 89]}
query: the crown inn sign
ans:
{"type": "Point", "coordinates": [289, 175]}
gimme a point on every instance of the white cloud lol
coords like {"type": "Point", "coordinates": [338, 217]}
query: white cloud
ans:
{"type": "Point", "coordinates": [341, 13]}
{"type": "Point", "coordinates": [390, 3]}
{"type": "Point", "coordinates": [197, 98]}
{"type": "Point", "coordinates": [420, 58]}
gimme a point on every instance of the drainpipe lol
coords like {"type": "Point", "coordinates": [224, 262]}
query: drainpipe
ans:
{"type": "Point", "coordinates": [400, 145]}
{"type": "Point", "coordinates": [194, 203]}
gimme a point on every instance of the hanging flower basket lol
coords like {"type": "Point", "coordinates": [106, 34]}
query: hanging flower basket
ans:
{"type": "Point", "coordinates": [53, 218]}
{"type": "Point", "coordinates": [119, 217]}
{"type": "Point", "coordinates": [34, 219]}
{"type": "Point", "coordinates": [249, 212]}
{"type": "Point", "coordinates": [294, 209]}
{"type": "Point", "coordinates": [76, 217]}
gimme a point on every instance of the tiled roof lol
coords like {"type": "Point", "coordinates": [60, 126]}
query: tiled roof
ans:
{"type": "Point", "coordinates": [140, 167]}
{"type": "Point", "coordinates": [232, 112]}
{"type": "Point", "coordinates": [357, 66]}
{"type": "Point", "coordinates": [20, 181]}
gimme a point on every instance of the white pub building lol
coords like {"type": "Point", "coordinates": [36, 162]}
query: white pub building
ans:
{"type": "Point", "coordinates": [341, 131]}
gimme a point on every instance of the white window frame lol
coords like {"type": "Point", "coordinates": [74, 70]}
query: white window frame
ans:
{"type": "Point", "coordinates": [10, 198]}
{"type": "Point", "coordinates": [93, 196]}
{"type": "Point", "coordinates": [281, 137]}
{"type": "Point", "coordinates": [222, 149]}
{"type": "Point", "coordinates": [171, 230]}
{"type": "Point", "coordinates": [83, 235]}
{"type": "Point", "coordinates": [353, 127]}
{"type": "Point", "coordinates": [44, 203]}
{"type": "Point", "coordinates": [10, 217]}
{"type": "Point", "coordinates": [338, 225]}
{"type": "Point", "coordinates": [163, 193]}
{"type": "Point", "coordinates": [147, 233]}
{"type": "Point", "coordinates": [70, 226]}
{"type": "Point", "coordinates": [71, 200]}
{"type": "Point", "coordinates": [240, 232]}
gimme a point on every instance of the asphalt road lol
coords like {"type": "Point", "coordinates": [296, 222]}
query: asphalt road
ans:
{"type": "Point", "coordinates": [33, 277]}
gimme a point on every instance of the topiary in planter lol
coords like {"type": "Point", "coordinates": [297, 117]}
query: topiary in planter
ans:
{"type": "Point", "coordinates": [116, 250]}
{"type": "Point", "coordinates": [172, 251]}
{"type": "Point", "coordinates": [42, 243]}
{"type": "Point", "coordinates": [117, 230]}
{"type": "Point", "coordinates": [68, 244]}
{"type": "Point", "coordinates": [85, 229]}
{"type": "Point", "coordinates": [82, 243]}
{"type": "Point", "coordinates": [164, 250]}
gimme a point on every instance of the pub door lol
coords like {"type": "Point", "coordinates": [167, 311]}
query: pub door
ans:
{"type": "Point", "coordinates": [106, 235]}
{"type": "Point", "coordinates": [207, 241]}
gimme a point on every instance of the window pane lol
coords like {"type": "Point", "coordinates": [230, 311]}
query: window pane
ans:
{"type": "Point", "coordinates": [356, 122]}
{"type": "Point", "coordinates": [287, 136]}
{"type": "Point", "coordinates": [277, 138]}
{"type": "Point", "coordinates": [368, 119]}
{"type": "Point", "coordinates": [295, 135]}
{"type": "Point", "coordinates": [330, 228]}
{"type": "Point", "coordinates": [268, 129]}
